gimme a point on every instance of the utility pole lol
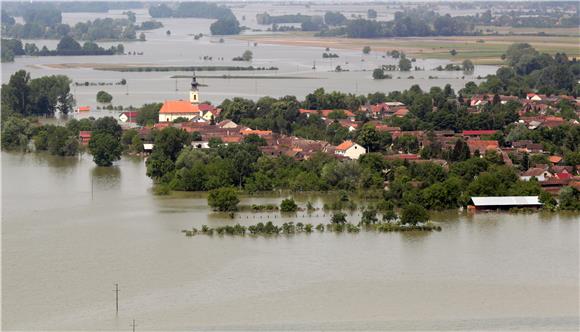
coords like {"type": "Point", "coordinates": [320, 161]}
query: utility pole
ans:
{"type": "Point", "coordinates": [117, 290]}
{"type": "Point", "coordinates": [133, 325]}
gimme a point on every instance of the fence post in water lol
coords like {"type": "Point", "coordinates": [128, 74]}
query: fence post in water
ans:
{"type": "Point", "coordinates": [133, 325]}
{"type": "Point", "coordinates": [116, 290]}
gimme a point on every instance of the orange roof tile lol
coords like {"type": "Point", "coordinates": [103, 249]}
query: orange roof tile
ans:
{"type": "Point", "coordinates": [178, 106]}
{"type": "Point", "coordinates": [344, 145]}
{"type": "Point", "coordinates": [555, 159]}
{"type": "Point", "coordinates": [257, 132]}
{"type": "Point", "coordinates": [479, 145]}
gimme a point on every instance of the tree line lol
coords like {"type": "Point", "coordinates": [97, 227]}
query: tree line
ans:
{"type": "Point", "coordinates": [44, 20]}
{"type": "Point", "coordinates": [67, 46]}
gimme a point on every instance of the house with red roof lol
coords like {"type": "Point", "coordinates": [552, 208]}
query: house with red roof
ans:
{"type": "Point", "coordinates": [130, 117]}
{"type": "Point", "coordinates": [481, 145]}
{"type": "Point", "coordinates": [173, 109]}
{"type": "Point", "coordinates": [349, 149]}
{"type": "Point", "coordinates": [83, 109]}
{"type": "Point", "coordinates": [477, 133]}
{"type": "Point", "coordinates": [85, 136]}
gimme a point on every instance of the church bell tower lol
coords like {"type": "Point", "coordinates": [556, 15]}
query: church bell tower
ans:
{"type": "Point", "coordinates": [194, 92]}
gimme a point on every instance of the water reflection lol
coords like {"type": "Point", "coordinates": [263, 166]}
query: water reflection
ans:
{"type": "Point", "coordinates": [106, 178]}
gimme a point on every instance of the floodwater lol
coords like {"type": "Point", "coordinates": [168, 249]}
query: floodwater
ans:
{"type": "Point", "coordinates": [180, 49]}
{"type": "Point", "coordinates": [71, 230]}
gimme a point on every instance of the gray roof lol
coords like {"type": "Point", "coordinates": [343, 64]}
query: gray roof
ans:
{"type": "Point", "coordinates": [505, 200]}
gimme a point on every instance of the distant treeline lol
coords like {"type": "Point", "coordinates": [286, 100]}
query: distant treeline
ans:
{"type": "Point", "coordinates": [19, 8]}
{"type": "Point", "coordinates": [186, 68]}
{"type": "Point", "coordinates": [226, 23]}
{"type": "Point", "coordinates": [44, 20]}
{"type": "Point", "coordinates": [266, 19]}
{"type": "Point", "coordinates": [66, 47]}
{"type": "Point", "coordinates": [420, 22]}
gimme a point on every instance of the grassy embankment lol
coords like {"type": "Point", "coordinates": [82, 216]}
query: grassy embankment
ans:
{"type": "Point", "coordinates": [485, 49]}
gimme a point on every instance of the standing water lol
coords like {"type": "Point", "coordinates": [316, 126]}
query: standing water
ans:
{"type": "Point", "coordinates": [71, 231]}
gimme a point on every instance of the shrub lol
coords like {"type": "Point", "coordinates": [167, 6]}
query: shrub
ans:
{"type": "Point", "coordinates": [413, 214]}
{"type": "Point", "coordinates": [288, 205]}
{"type": "Point", "coordinates": [223, 199]}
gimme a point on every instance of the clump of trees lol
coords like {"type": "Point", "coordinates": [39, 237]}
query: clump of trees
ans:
{"type": "Point", "coordinates": [246, 56]}
{"type": "Point", "coordinates": [104, 97]}
{"type": "Point", "coordinates": [225, 26]}
{"type": "Point", "coordinates": [288, 205]}
{"type": "Point", "coordinates": [105, 144]}
{"type": "Point", "coordinates": [223, 199]}
{"type": "Point", "coordinates": [40, 96]}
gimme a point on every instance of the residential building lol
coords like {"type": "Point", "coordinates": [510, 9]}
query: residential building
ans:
{"type": "Point", "coordinates": [349, 149]}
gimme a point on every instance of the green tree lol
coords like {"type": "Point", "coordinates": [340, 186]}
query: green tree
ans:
{"type": "Point", "coordinates": [413, 214]}
{"type": "Point", "coordinates": [68, 44]}
{"type": "Point", "coordinates": [405, 64]}
{"type": "Point", "coordinates": [223, 199]}
{"type": "Point", "coordinates": [16, 133]}
{"type": "Point", "coordinates": [338, 218]}
{"type": "Point", "coordinates": [248, 55]}
{"type": "Point", "coordinates": [61, 142]}
{"type": "Point", "coordinates": [104, 97]}
{"type": "Point", "coordinates": [569, 199]}
{"type": "Point", "coordinates": [225, 26]}
{"type": "Point", "coordinates": [366, 50]}
{"type": "Point", "coordinates": [288, 205]}
{"type": "Point", "coordinates": [148, 114]}
{"type": "Point", "coordinates": [105, 148]}
{"type": "Point", "coordinates": [378, 74]}
{"type": "Point", "coordinates": [468, 65]}
{"type": "Point", "coordinates": [108, 125]}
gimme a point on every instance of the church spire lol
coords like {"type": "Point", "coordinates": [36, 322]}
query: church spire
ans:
{"type": "Point", "coordinates": [194, 83]}
{"type": "Point", "coordinates": [194, 92]}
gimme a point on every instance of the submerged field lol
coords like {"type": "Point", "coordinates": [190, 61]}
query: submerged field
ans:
{"type": "Point", "coordinates": [481, 49]}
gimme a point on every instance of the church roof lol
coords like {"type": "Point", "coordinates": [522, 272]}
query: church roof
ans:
{"type": "Point", "coordinates": [178, 106]}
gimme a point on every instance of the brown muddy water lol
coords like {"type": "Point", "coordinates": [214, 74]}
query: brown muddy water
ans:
{"type": "Point", "coordinates": [71, 230]}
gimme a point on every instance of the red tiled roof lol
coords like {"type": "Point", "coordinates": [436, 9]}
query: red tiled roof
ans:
{"type": "Point", "coordinates": [85, 134]}
{"type": "Point", "coordinates": [481, 145]}
{"type": "Point", "coordinates": [555, 159]}
{"type": "Point", "coordinates": [326, 113]}
{"type": "Point", "coordinates": [231, 139]}
{"type": "Point", "coordinates": [305, 111]}
{"type": "Point", "coordinates": [401, 112]}
{"type": "Point", "coordinates": [344, 145]}
{"type": "Point", "coordinates": [84, 108]}
{"type": "Point", "coordinates": [130, 114]}
{"type": "Point", "coordinates": [178, 106]}
{"type": "Point", "coordinates": [563, 176]}
{"type": "Point", "coordinates": [478, 132]}
{"type": "Point", "coordinates": [404, 156]}
{"type": "Point", "coordinates": [257, 132]}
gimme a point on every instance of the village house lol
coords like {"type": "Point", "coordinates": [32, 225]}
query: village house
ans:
{"type": "Point", "coordinates": [130, 117]}
{"type": "Point", "coordinates": [482, 146]}
{"type": "Point", "coordinates": [85, 137]}
{"type": "Point", "coordinates": [350, 150]}
{"type": "Point", "coordinates": [477, 134]}
{"type": "Point", "coordinates": [503, 202]}
{"type": "Point", "coordinates": [527, 146]}
{"type": "Point", "coordinates": [541, 174]}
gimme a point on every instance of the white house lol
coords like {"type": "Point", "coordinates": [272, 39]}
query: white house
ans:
{"type": "Point", "coordinates": [350, 150]}
{"type": "Point", "coordinates": [539, 173]}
